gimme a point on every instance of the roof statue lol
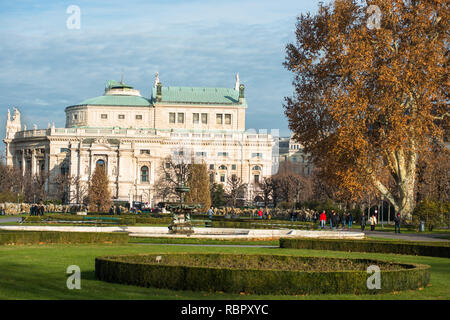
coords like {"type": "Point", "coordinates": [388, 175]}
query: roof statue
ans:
{"type": "Point", "coordinates": [236, 86]}
{"type": "Point", "coordinates": [13, 124]}
{"type": "Point", "coordinates": [156, 79]}
{"type": "Point", "coordinates": [16, 115]}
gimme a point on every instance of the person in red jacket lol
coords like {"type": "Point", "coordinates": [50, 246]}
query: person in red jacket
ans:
{"type": "Point", "coordinates": [323, 219]}
{"type": "Point", "coordinates": [260, 213]}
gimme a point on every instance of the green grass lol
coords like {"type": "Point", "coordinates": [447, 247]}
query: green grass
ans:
{"type": "Point", "coordinates": [39, 272]}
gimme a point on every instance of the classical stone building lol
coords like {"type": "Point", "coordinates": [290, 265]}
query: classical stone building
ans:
{"type": "Point", "coordinates": [292, 151]}
{"type": "Point", "coordinates": [131, 135]}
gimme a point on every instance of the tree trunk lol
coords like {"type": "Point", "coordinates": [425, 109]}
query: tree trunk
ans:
{"type": "Point", "coordinates": [403, 170]}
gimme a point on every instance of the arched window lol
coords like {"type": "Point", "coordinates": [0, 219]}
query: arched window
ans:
{"type": "Point", "coordinates": [222, 167]}
{"type": "Point", "coordinates": [257, 168]}
{"type": "Point", "coordinates": [144, 174]}
{"type": "Point", "coordinates": [100, 163]}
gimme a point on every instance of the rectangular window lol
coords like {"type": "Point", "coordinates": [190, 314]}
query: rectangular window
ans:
{"type": "Point", "coordinates": [121, 116]}
{"type": "Point", "coordinates": [222, 154]}
{"type": "Point", "coordinates": [171, 117]}
{"type": "Point", "coordinates": [219, 119]}
{"type": "Point", "coordinates": [145, 151]}
{"type": "Point", "coordinates": [211, 178]}
{"type": "Point", "coordinates": [180, 117]}
{"type": "Point", "coordinates": [167, 165]}
{"type": "Point", "coordinates": [233, 167]}
{"type": "Point", "coordinates": [200, 154]}
{"type": "Point", "coordinates": [75, 117]}
{"type": "Point", "coordinates": [167, 176]}
{"type": "Point", "coordinates": [256, 177]}
{"type": "Point", "coordinates": [139, 117]}
{"type": "Point", "coordinates": [211, 167]}
{"type": "Point", "coordinates": [178, 153]}
{"type": "Point", "coordinates": [222, 178]}
{"type": "Point", "coordinates": [104, 116]}
{"type": "Point", "coordinates": [256, 155]}
{"type": "Point", "coordinates": [196, 118]}
{"type": "Point", "coordinates": [228, 119]}
{"type": "Point", "coordinates": [204, 118]}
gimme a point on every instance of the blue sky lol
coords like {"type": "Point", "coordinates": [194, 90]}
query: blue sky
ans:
{"type": "Point", "coordinates": [46, 66]}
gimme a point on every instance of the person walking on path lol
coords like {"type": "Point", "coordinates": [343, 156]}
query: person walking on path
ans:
{"type": "Point", "coordinates": [350, 220]}
{"type": "Point", "coordinates": [334, 219]}
{"type": "Point", "coordinates": [260, 214]}
{"type": "Point", "coordinates": [373, 222]}
{"type": "Point", "coordinates": [210, 213]}
{"type": "Point", "coordinates": [397, 221]}
{"type": "Point", "coordinates": [315, 216]}
{"type": "Point", "coordinates": [323, 219]}
{"type": "Point", "coordinates": [344, 219]}
{"type": "Point", "coordinates": [363, 221]}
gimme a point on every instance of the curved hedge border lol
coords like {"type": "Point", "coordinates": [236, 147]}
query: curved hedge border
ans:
{"type": "Point", "coordinates": [46, 237]}
{"type": "Point", "coordinates": [399, 247]}
{"type": "Point", "coordinates": [143, 270]}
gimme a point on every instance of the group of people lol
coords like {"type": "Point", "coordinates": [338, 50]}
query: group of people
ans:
{"type": "Point", "coordinates": [37, 210]}
{"type": "Point", "coordinates": [334, 220]}
{"type": "Point", "coordinates": [345, 220]}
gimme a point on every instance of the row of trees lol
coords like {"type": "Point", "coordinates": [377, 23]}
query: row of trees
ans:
{"type": "Point", "coordinates": [176, 171]}
{"type": "Point", "coordinates": [18, 187]}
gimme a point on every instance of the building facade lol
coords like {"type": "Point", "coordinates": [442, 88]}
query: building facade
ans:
{"type": "Point", "coordinates": [132, 135]}
{"type": "Point", "coordinates": [293, 152]}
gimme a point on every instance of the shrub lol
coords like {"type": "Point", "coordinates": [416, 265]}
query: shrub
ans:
{"type": "Point", "coordinates": [47, 237]}
{"type": "Point", "coordinates": [258, 274]}
{"type": "Point", "coordinates": [432, 212]}
{"type": "Point", "coordinates": [398, 247]}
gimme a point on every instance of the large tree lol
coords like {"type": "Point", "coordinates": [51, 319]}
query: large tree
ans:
{"type": "Point", "coordinates": [174, 171]}
{"type": "Point", "coordinates": [99, 195]}
{"type": "Point", "coordinates": [198, 182]}
{"type": "Point", "coordinates": [370, 97]}
{"type": "Point", "coordinates": [234, 189]}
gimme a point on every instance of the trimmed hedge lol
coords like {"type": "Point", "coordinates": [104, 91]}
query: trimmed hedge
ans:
{"type": "Point", "coordinates": [262, 224]}
{"type": "Point", "coordinates": [258, 274]}
{"type": "Point", "coordinates": [398, 247]}
{"type": "Point", "coordinates": [47, 237]}
{"type": "Point", "coordinates": [123, 219]}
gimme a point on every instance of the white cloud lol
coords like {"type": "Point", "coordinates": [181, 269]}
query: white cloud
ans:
{"type": "Point", "coordinates": [200, 43]}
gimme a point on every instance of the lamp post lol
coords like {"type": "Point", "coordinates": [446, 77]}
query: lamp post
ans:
{"type": "Point", "coordinates": [129, 199]}
{"type": "Point", "coordinates": [382, 205]}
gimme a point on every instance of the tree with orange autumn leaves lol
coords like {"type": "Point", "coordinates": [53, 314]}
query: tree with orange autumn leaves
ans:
{"type": "Point", "coordinates": [369, 101]}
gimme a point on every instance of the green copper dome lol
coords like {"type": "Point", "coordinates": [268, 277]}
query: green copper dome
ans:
{"type": "Point", "coordinates": [116, 100]}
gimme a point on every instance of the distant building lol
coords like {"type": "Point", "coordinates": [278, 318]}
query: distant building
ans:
{"type": "Point", "coordinates": [292, 151]}
{"type": "Point", "coordinates": [131, 135]}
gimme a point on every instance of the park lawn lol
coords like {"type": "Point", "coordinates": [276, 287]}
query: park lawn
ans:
{"type": "Point", "coordinates": [39, 272]}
